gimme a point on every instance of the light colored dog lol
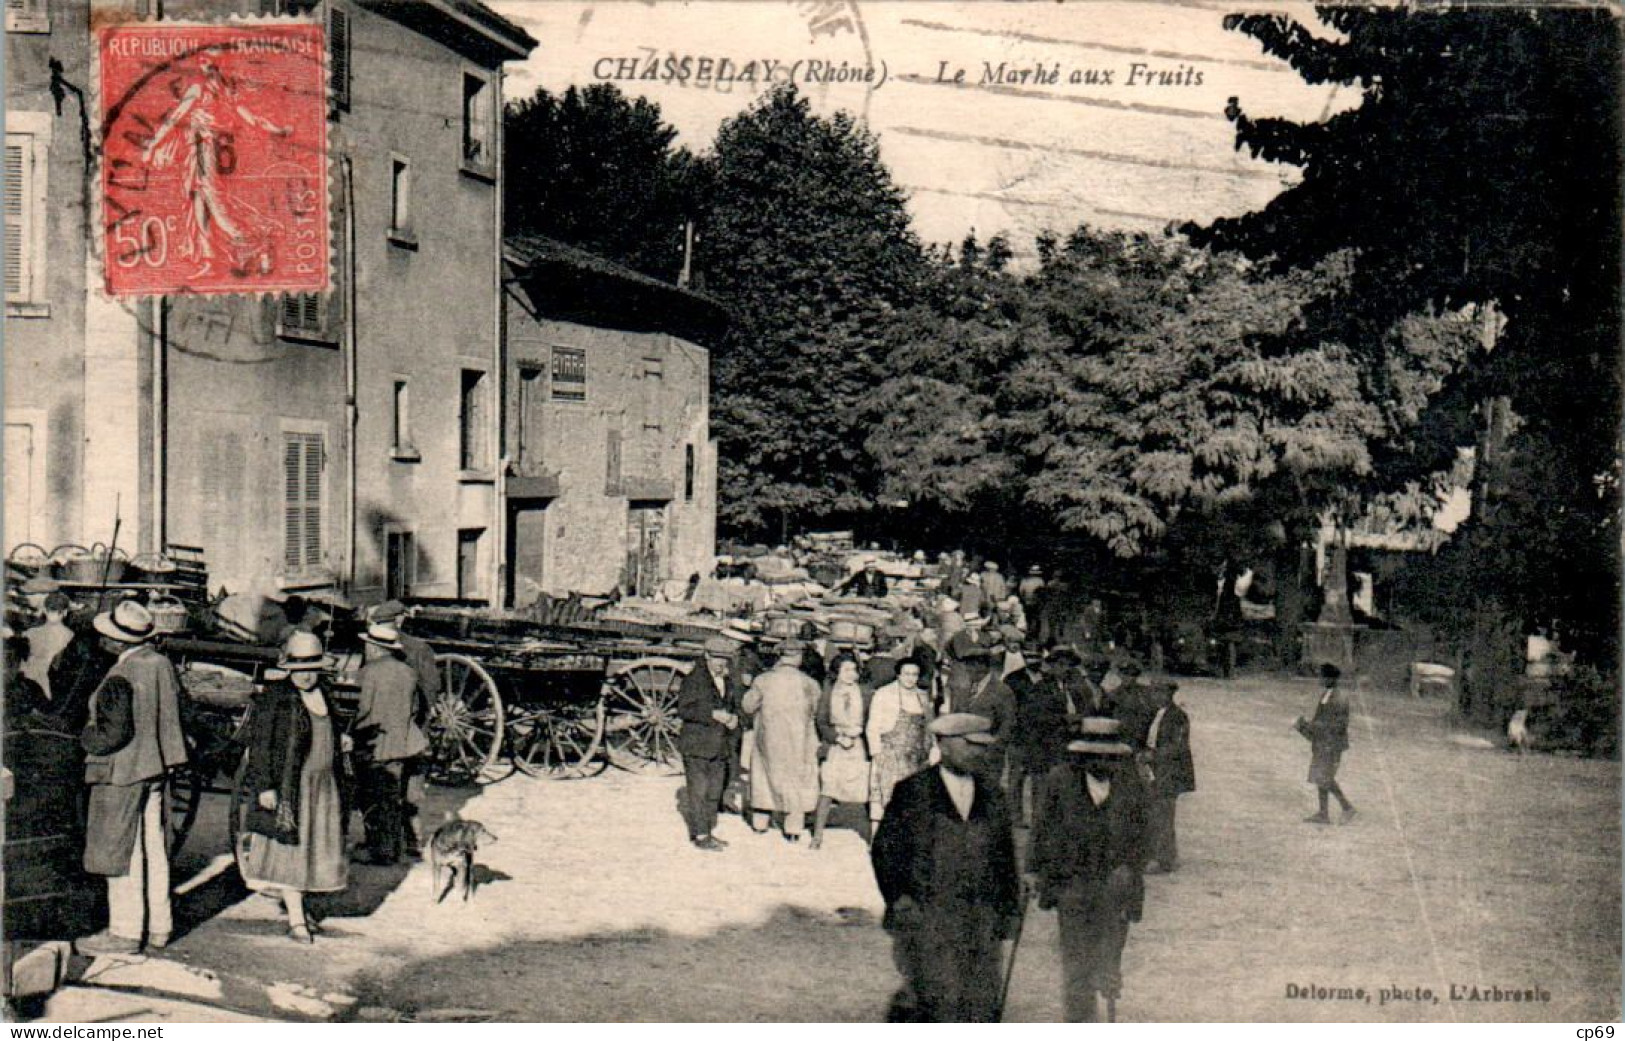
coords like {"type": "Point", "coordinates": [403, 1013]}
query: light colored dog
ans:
{"type": "Point", "coordinates": [1518, 731]}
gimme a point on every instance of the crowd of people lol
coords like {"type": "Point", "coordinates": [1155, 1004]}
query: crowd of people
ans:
{"type": "Point", "coordinates": [107, 684]}
{"type": "Point", "coordinates": [983, 765]}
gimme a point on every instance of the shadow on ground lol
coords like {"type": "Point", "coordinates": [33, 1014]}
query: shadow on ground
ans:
{"type": "Point", "coordinates": [776, 971]}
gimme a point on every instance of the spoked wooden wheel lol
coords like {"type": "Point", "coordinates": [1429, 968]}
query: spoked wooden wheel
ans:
{"type": "Point", "coordinates": [185, 794]}
{"type": "Point", "coordinates": [558, 741]}
{"type": "Point", "coordinates": [641, 724]}
{"type": "Point", "coordinates": [465, 724]}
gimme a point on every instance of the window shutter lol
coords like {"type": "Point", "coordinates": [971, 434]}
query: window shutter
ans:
{"type": "Point", "coordinates": [313, 501]}
{"type": "Point", "coordinates": [293, 513]}
{"type": "Point", "coordinates": [338, 49]}
{"type": "Point", "coordinates": [27, 16]}
{"type": "Point", "coordinates": [302, 461]}
{"type": "Point", "coordinates": [17, 213]}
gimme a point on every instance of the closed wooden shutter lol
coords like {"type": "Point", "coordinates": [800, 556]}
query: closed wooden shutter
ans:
{"type": "Point", "coordinates": [302, 459]}
{"type": "Point", "coordinates": [338, 50]}
{"type": "Point", "coordinates": [18, 190]}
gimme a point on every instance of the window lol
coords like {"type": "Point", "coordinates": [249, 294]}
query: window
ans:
{"type": "Point", "coordinates": [307, 316]}
{"type": "Point", "coordinates": [654, 369]}
{"type": "Point", "coordinates": [400, 200]}
{"type": "Point", "coordinates": [401, 421]}
{"type": "Point", "coordinates": [338, 56]}
{"type": "Point", "coordinates": [473, 435]}
{"type": "Point", "coordinates": [612, 463]}
{"type": "Point", "coordinates": [569, 374]}
{"type": "Point", "coordinates": [302, 463]}
{"type": "Point", "coordinates": [400, 564]}
{"type": "Point", "coordinates": [688, 473]}
{"type": "Point", "coordinates": [468, 562]}
{"type": "Point", "coordinates": [27, 16]}
{"type": "Point", "coordinates": [28, 139]}
{"type": "Point", "coordinates": [479, 125]}
{"type": "Point", "coordinates": [529, 430]}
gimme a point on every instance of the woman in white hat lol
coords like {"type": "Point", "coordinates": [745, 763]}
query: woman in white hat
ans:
{"type": "Point", "coordinates": [293, 836]}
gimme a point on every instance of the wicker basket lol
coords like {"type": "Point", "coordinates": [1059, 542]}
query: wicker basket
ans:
{"type": "Point", "coordinates": [88, 566]}
{"type": "Point", "coordinates": [169, 615]}
{"type": "Point", "coordinates": [150, 567]}
{"type": "Point", "coordinates": [31, 560]}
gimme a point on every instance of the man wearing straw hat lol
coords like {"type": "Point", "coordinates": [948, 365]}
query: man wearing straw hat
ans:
{"type": "Point", "coordinates": [1088, 860]}
{"type": "Point", "coordinates": [132, 740]}
{"type": "Point", "coordinates": [389, 739]}
{"type": "Point", "coordinates": [945, 860]}
{"type": "Point", "coordinates": [420, 656]}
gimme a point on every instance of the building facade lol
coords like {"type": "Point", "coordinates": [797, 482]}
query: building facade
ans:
{"type": "Point", "coordinates": [610, 479]}
{"type": "Point", "coordinates": [345, 441]}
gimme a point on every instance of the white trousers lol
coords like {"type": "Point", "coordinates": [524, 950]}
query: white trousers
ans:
{"type": "Point", "coordinates": [138, 900]}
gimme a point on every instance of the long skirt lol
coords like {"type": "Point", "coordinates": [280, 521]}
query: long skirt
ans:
{"type": "Point", "coordinates": [317, 863]}
{"type": "Point", "coordinates": [1323, 764]}
{"type": "Point", "coordinates": [844, 774]}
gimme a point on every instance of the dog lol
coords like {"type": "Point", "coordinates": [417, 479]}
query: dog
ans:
{"type": "Point", "coordinates": [453, 847]}
{"type": "Point", "coordinates": [1518, 738]}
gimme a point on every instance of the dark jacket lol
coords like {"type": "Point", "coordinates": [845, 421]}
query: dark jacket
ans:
{"type": "Point", "coordinates": [1041, 730]}
{"type": "Point", "coordinates": [826, 728]}
{"type": "Point", "coordinates": [155, 742]}
{"type": "Point", "coordinates": [991, 699]}
{"type": "Point", "coordinates": [1076, 844]}
{"type": "Point", "coordinates": [1328, 731]}
{"type": "Point", "coordinates": [1171, 764]}
{"type": "Point", "coordinates": [384, 723]}
{"type": "Point", "coordinates": [279, 737]}
{"type": "Point", "coordinates": [420, 656]}
{"type": "Point", "coordinates": [75, 674]}
{"type": "Point", "coordinates": [924, 850]}
{"type": "Point", "coordinates": [864, 583]}
{"type": "Point", "coordinates": [701, 736]}
{"type": "Point", "coordinates": [1134, 707]}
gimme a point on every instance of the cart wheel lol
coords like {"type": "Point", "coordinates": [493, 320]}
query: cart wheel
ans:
{"type": "Point", "coordinates": [465, 724]}
{"type": "Point", "coordinates": [186, 785]}
{"type": "Point", "coordinates": [558, 741]}
{"type": "Point", "coordinates": [641, 723]}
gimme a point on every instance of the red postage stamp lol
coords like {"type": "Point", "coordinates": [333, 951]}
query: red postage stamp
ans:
{"type": "Point", "coordinates": [214, 166]}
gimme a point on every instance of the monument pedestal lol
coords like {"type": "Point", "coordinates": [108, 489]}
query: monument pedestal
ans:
{"type": "Point", "coordinates": [1328, 642]}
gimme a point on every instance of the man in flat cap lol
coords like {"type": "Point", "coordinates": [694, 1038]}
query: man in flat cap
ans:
{"type": "Point", "coordinates": [945, 860]}
{"type": "Point", "coordinates": [1088, 861]}
{"type": "Point", "coordinates": [784, 754]}
{"type": "Point", "coordinates": [706, 740]}
{"type": "Point", "coordinates": [417, 653]}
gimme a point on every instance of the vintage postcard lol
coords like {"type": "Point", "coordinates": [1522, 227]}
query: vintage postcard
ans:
{"type": "Point", "coordinates": [864, 511]}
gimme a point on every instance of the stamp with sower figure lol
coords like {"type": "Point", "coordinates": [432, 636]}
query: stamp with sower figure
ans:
{"type": "Point", "coordinates": [214, 158]}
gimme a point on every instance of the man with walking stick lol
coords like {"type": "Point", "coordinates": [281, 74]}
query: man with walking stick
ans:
{"type": "Point", "coordinates": [1088, 859]}
{"type": "Point", "coordinates": [945, 860]}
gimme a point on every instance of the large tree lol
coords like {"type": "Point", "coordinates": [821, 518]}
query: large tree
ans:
{"type": "Point", "coordinates": [1481, 166]}
{"type": "Point", "coordinates": [599, 170]}
{"type": "Point", "coordinates": [807, 242]}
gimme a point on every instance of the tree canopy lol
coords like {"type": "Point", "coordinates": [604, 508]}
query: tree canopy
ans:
{"type": "Point", "coordinates": [596, 169]}
{"type": "Point", "coordinates": [806, 239]}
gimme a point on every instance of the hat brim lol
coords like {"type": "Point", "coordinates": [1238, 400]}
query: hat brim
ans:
{"type": "Point", "coordinates": [393, 645]}
{"type": "Point", "coordinates": [1111, 748]}
{"type": "Point", "coordinates": [103, 624]}
{"type": "Point", "coordinates": [326, 661]}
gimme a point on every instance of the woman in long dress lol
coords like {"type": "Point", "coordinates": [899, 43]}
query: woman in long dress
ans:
{"type": "Point", "coordinates": [292, 840]}
{"type": "Point", "coordinates": [843, 776]}
{"type": "Point", "coordinates": [898, 742]}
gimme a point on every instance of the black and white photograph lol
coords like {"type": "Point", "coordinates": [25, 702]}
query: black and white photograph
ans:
{"type": "Point", "coordinates": [812, 511]}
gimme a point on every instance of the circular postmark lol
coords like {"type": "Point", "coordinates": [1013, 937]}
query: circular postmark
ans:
{"type": "Point", "coordinates": [212, 175]}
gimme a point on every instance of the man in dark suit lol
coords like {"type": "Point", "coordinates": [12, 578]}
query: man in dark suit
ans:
{"type": "Point", "coordinates": [945, 860]}
{"type": "Point", "coordinates": [1168, 755]}
{"type": "Point", "coordinates": [1087, 861]}
{"type": "Point", "coordinates": [706, 740]}
{"type": "Point", "coordinates": [1328, 734]}
{"type": "Point", "coordinates": [1043, 725]}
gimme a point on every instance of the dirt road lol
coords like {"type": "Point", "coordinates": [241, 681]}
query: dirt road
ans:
{"type": "Point", "coordinates": [1467, 867]}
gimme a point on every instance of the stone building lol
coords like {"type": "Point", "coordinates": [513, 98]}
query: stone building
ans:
{"type": "Point", "coordinates": [345, 441]}
{"type": "Point", "coordinates": [611, 471]}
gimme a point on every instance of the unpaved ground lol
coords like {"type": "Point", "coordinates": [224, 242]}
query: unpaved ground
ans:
{"type": "Point", "coordinates": [1466, 866]}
